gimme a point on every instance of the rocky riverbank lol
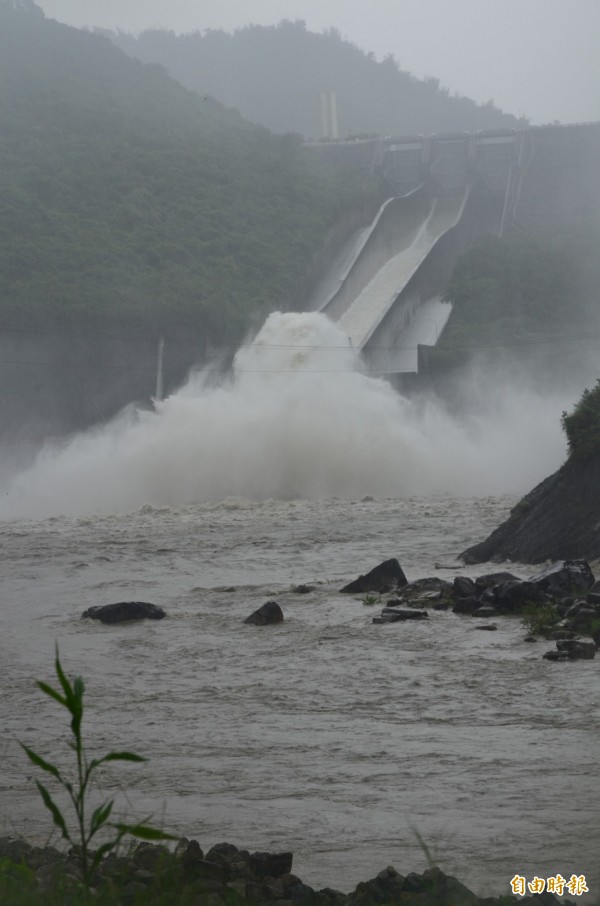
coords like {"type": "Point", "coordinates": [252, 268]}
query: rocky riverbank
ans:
{"type": "Point", "coordinates": [223, 876]}
{"type": "Point", "coordinates": [561, 603]}
{"type": "Point", "coordinates": [558, 519]}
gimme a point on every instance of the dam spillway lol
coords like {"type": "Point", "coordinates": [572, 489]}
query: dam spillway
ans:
{"type": "Point", "coordinates": [371, 305]}
{"type": "Point", "coordinates": [447, 190]}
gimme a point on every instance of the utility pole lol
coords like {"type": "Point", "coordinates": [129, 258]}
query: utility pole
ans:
{"type": "Point", "coordinates": [159, 371]}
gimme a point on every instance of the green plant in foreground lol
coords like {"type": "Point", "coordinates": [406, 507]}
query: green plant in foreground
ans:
{"type": "Point", "coordinates": [370, 599]}
{"type": "Point", "coordinates": [540, 619]}
{"type": "Point", "coordinates": [71, 698]}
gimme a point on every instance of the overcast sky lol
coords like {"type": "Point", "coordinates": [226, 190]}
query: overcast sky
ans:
{"type": "Point", "coordinates": [539, 58]}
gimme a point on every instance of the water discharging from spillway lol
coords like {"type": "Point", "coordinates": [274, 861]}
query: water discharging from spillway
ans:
{"type": "Point", "coordinates": [298, 417]}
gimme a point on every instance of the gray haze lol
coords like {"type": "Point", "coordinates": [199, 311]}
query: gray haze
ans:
{"type": "Point", "coordinates": [536, 58]}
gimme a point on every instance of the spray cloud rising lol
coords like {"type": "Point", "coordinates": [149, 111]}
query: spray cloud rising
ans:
{"type": "Point", "coordinates": [298, 417]}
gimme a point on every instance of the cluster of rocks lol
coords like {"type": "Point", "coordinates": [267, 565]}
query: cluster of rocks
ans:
{"type": "Point", "coordinates": [568, 586]}
{"type": "Point", "coordinates": [228, 876]}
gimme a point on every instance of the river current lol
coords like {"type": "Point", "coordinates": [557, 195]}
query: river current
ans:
{"type": "Point", "coordinates": [327, 735]}
{"type": "Point", "coordinates": [341, 740]}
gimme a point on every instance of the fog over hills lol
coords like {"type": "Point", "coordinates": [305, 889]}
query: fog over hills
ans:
{"type": "Point", "coordinates": [275, 75]}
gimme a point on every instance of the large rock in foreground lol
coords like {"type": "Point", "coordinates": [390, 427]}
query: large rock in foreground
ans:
{"type": "Point", "coordinates": [558, 520]}
{"type": "Point", "coordinates": [124, 612]}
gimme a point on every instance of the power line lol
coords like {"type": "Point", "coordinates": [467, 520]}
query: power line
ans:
{"type": "Point", "coordinates": [151, 367]}
{"type": "Point", "coordinates": [223, 347]}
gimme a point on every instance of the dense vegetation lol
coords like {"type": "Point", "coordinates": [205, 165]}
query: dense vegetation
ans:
{"type": "Point", "coordinates": [126, 199]}
{"type": "Point", "coordinates": [582, 425]}
{"type": "Point", "coordinates": [508, 290]}
{"type": "Point", "coordinates": [520, 297]}
{"type": "Point", "coordinates": [275, 75]}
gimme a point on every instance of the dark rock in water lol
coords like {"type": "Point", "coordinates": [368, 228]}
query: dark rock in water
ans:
{"type": "Point", "coordinates": [269, 613]}
{"type": "Point", "coordinates": [432, 888]}
{"type": "Point", "coordinates": [572, 650]}
{"type": "Point", "coordinates": [124, 611]}
{"type": "Point", "coordinates": [583, 620]}
{"type": "Point", "coordinates": [465, 605]}
{"type": "Point", "coordinates": [561, 634]}
{"type": "Point", "coordinates": [512, 595]}
{"type": "Point", "coordinates": [492, 579]}
{"type": "Point", "coordinates": [558, 519]}
{"type": "Point", "coordinates": [463, 587]}
{"type": "Point", "coordinates": [303, 589]}
{"type": "Point", "coordinates": [485, 611]}
{"type": "Point", "coordinates": [577, 649]}
{"type": "Point", "coordinates": [565, 577]}
{"type": "Point", "coordinates": [429, 584]}
{"type": "Point", "coordinates": [271, 865]}
{"type": "Point", "coordinates": [596, 637]}
{"type": "Point", "coordinates": [489, 627]}
{"type": "Point", "coordinates": [387, 887]}
{"type": "Point", "coordinates": [553, 655]}
{"type": "Point", "coordinates": [386, 575]}
{"type": "Point", "coordinates": [394, 615]}
{"type": "Point", "coordinates": [301, 895]}
{"type": "Point", "coordinates": [223, 853]}
{"type": "Point", "coordinates": [334, 897]}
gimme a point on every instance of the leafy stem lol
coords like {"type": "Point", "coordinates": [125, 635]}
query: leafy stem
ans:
{"type": "Point", "coordinates": [70, 697]}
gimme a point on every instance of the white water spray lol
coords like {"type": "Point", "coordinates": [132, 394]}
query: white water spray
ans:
{"type": "Point", "coordinates": [298, 418]}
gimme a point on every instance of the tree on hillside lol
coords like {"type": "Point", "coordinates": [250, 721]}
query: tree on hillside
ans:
{"type": "Point", "coordinates": [582, 425]}
{"type": "Point", "coordinates": [127, 200]}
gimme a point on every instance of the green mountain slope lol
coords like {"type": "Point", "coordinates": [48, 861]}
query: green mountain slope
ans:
{"type": "Point", "coordinates": [125, 198]}
{"type": "Point", "coordinates": [275, 76]}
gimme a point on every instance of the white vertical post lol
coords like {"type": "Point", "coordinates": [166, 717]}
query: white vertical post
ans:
{"type": "Point", "coordinates": [159, 370]}
{"type": "Point", "coordinates": [333, 107]}
{"type": "Point", "coordinates": [324, 117]}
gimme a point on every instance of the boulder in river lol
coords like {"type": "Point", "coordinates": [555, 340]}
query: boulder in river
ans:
{"type": "Point", "coordinates": [396, 615]}
{"type": "Point", "coordinates": [564, 578]}
{"type": "Point", "coordinates": [387, 575]}
{"type": "Point", "coordinates": [267, 614]}
{"type": "Point", "coordinates": [513, 595]}
{"type": "Point", "coordinates": [124, 612]}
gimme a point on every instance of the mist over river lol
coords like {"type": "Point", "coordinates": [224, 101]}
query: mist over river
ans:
{"type": "Point", "coordinates": [326, 735]}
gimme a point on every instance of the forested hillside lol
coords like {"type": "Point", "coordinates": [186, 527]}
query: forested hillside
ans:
{"type": "Point", "coordinates": [128, 200]}
{"type": "Point", "coordinates": [275, 75]}
{"type": "Point", "coordinates": [531, 300]}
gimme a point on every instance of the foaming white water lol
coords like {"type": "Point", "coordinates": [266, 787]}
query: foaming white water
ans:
{"type": "Point", "coordinates": [298, 418]}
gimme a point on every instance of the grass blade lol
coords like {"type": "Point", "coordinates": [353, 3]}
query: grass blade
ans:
{"type": "Point", "coordinates": [40, 763]}
{"type": "Point", "coordinates": [52, 693]}
{"type": "Point", "coordinates": [66, 685]}
{"type": "Point", "coordinates": [122, 756]}
{"type": "Point", "coordinates": [54, 810]}
{"type": "Point", "coordinates": [143, 832]}
{"type": "Point", "coordinates": [100, 817]}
